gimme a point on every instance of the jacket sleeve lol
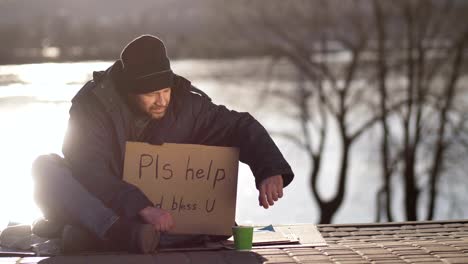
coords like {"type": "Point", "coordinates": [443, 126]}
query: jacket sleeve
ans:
{"type": "Point", "coordinates": [90, 149]}
{"type": "Point", "coordinates": [216, 125]}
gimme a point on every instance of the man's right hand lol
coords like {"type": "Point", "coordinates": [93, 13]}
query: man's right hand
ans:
{"type": "Point", "coordinates": [161, 219]}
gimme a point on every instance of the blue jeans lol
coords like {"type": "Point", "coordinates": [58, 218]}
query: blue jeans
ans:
{"type": "Point", "coordinates": [63, 199]}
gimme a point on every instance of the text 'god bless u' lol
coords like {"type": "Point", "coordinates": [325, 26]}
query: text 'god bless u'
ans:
{"type": "Point", "coordinates": [154, 167]}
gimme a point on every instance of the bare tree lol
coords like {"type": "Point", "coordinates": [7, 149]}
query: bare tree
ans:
{"type": "Point", "coordinates": [442, 143]}
{"type": "Point", "coordinates": [404, 49]}
{"type": "Point", "coordinates": [434, 48]}
{"type": "Point", "coordinates": [311, 42]}
{"type": "Point", "coordinates": [384, 198]}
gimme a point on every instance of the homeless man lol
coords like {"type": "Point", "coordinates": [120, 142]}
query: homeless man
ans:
{"type": "Point", "coordinates": [140, 99]}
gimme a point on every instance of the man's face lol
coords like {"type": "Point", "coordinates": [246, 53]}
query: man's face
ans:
{"type": "Point", "coordinates": [153, 104]}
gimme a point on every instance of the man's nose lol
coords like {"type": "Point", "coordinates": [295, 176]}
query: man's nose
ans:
{"type": "Point", "coordinates": [160, 100]}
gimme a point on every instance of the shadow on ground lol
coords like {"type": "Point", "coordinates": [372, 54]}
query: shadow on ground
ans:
{"type": "Point", "coordinates": [223, 256]}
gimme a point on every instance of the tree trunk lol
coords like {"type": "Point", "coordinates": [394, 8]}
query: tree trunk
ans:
{"type": "Point", "coordinates": [411, 191]}
{"type": "Point", "coordinates": [382, 78]}
{"type": "Point", "coordinates": [438, 160]}
{"type": "Point", "coordinates": [327, 211]}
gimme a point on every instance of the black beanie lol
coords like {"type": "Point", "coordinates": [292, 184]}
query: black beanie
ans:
{"type": "Point", "coordinates": [146, 67]}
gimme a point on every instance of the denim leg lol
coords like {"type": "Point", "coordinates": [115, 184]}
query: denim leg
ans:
{"type": "Point", "coordinates": [60, 195]}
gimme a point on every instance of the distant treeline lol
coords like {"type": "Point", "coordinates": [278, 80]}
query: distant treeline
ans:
{"type": "Point", "coordinates": [65, 30]}
{"type": "Point", "coordinates": [62, 41]}
{"type": "Point", "coordinates": [86, 30]}
{"type": "Point", "coordinates": [97, 42]}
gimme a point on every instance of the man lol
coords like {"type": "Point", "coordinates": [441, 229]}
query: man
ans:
{"type": "Point", "coordinates": [139, 98]}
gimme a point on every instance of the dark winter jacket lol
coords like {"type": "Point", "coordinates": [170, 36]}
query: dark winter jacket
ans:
{"type": "Point", "coordinates": [101, 122]}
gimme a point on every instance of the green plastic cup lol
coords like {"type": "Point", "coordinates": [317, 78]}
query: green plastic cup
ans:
{"type": "Point", "coordinates": [243, 236]}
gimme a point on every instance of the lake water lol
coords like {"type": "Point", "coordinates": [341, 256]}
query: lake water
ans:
{"type": "Point", "coordinates": [34, 103]}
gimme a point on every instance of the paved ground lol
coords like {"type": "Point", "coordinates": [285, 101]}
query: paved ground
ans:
{"type": "Point", "coordinates": [410, 242]}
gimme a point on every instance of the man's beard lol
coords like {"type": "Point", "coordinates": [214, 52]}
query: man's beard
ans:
{"type": "Point", "coordinates": [157, 112]}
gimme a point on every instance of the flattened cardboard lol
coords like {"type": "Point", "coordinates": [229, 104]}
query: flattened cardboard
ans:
{"type": "Point", "coordinates": [196, 184]}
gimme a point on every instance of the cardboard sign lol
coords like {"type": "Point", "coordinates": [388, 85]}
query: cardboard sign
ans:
{"type": "Point", "coordinates": [196, 184]}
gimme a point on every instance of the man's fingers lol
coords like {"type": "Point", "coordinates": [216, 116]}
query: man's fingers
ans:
{"type": "Point", "coordinates": [279, 187]}
{"type": "Point", "coordinates": [280, 192]}
{"type": "Point", "coordinates": [273, 189]}
{"type": "Point", "coordinates": [270, 199]}
{"type": "Point", "coordinates": [167, 222]}
{"type": "Point", "coordinates": [263, 201]}
{"type": "Point", "coordinates": [262, 197]}
{"type": "Point", "coordinates": [269, 194]}
{"type": "Point", "coordinates": [274, 194]}
{"type": "Point", "coordinates": [167, 226]}
{"type": "Point", "coordinates": [170, 223]}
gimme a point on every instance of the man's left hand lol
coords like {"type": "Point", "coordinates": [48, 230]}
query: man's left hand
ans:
{"type": "Point", "coordinates": [271, 189]}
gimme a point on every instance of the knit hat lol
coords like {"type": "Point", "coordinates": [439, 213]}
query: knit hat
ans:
{"type": "Point", "coordinates": [146, 67]}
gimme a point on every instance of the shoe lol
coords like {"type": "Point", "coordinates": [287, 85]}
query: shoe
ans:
{"type": "Point", "coordinates": [47, 228]}
{"type": "Point", "coordinates": [132, 236]}
{"type": "Point", "coordinates": [145, 239]}
{"type": "Point", "coordinates": [76, 240]}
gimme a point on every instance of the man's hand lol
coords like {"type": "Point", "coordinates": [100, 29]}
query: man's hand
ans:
{"type": "Point", "coordinates": [159, 218]}
{"type": "Point", "coordinates": [271, 189]}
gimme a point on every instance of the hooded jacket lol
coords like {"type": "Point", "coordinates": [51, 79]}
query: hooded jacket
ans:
{"type": "Point", "coordinates": [101, 122]}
